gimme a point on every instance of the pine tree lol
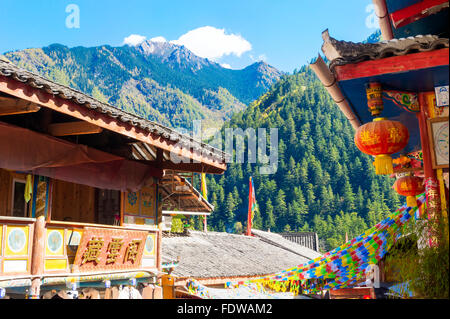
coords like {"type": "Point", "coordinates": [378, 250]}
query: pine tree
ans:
{"type": "Point", "coordinates": [270, 219]}
{"type": "Point", "coordinates": [349, 197]}
{"type": "Point", "coordinates": [230, 204]}
{"type": "Point", "coordinates": [321, 173]}
{"type": "Point", "coordinates": [280, 206]}
{"type": "Point", "coordinates": [257, 220]}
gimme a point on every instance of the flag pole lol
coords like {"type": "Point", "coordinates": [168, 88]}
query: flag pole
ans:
{"type": "Point", "coordinates": [249, 215]}
{"type": "Point", "coordinates": [204, 191]}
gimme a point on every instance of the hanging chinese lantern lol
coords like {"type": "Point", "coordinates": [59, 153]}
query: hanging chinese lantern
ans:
{"type": "Point", "coordinates": [409, 186]}
{"type": "Point", "coordinates": [381, 138]}
{"type": "Point", "coordinates": [374, 93]}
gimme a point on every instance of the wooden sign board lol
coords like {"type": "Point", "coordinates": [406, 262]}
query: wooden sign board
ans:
{"type": "Point", "coordinates": [109, 249]}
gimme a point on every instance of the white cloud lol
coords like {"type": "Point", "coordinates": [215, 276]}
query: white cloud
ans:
{"type": "Point", "coordinates": [134, 39]}
{"type": "Point", "coordinates": [158, 39]}
{"type": "Point", "coordinates": [225, 65]}
{"type": "Point", "coordinates": [261, 57]}
{"type": "Point", "coordinates": [212, 43]}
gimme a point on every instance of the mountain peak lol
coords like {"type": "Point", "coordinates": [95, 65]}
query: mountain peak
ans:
{"type": "Point", "coordinates": [173, 54]}
{"type": "Point", "coordinates": [160, 48]}
{"type": "Point", "coordinates": [262, 67]}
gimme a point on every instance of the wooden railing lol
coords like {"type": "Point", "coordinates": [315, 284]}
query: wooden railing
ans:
{"type": "Point", "coordinates": [63, 248]}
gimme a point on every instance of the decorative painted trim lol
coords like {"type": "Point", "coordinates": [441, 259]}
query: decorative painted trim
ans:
{"type": "Point", "coordinates": [408, 101]}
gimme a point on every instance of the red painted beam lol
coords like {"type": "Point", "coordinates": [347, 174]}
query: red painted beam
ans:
{"type": "Point", "coordinates": [395, 64]}
{"type": "Point", "coordinates": [416, 12]}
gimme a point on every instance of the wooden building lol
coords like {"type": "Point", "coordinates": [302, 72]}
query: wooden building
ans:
{"type": "Point", "coordinates": [181, 198]}
{"type": "Point", "coordinates": [402, 79]}
{"type": "Point", "coordinates": [408, 80]}
{"type": "Point", "coordinates": [83, 185]}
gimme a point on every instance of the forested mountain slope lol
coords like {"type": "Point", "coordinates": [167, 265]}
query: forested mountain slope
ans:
{"type": "Point", "coordinates": [159, 81]}
{"type": "Point", "coordinates": [323, 182]}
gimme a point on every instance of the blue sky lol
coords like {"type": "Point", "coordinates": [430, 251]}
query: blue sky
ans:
{"type": "Point", "coordinates": [284, 33]}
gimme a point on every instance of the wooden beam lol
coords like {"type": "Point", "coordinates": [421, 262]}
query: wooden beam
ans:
{"type": "Point", "coordinates": [417, 11]}
{"type": "Point", "coordinates": [185, 167]}
{"type": "Point", "coordinates": [395, 64]}
{"type": "Point", "coordinates": [12, 106]}
{"type": "Point", "coordinates": [73, 128]}
{"type": "Point", "coordinates": [24, 91]}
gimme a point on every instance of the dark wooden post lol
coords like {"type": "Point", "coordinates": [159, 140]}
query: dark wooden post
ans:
{"type": "Point", "coordinates": [37, 256]}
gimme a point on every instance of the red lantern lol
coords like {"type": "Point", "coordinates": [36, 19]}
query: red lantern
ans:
{"type": "Point", "coordinates": [409, 186]}
{"type": "Point", "coordinates": [381, 138]}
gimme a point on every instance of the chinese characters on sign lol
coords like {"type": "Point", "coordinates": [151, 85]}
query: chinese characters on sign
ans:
{"type": "Point", "coordinates": [132, 251]}
{"type": "Point", "coordinates": [92, 252]}
{"type": "Point", "coordinates": [112, 249]}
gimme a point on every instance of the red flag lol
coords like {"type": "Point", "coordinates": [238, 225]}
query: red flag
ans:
{"type": "Point", "coordinates": [252, 207]}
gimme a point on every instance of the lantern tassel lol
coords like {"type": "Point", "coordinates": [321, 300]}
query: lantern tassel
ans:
{"type": "Point", "coordinates": [411, 201]}
{"type": "Point", "coordinates": [383, 165]}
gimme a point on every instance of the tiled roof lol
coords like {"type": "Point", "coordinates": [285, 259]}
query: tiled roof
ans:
{"type": "Point", "coordinates": [9, 69]}
{"type": "Point", "coordinates": [280, 241]}
{"type": "Point", "coordinates": [215, 254]}
{"type": "Point", "coordinates": [343, 52]}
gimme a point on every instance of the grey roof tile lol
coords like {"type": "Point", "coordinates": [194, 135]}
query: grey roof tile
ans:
{"type": "Point", "coordinates": [215, 254]}
{"type": "Point", "coordinates": [345, 52]}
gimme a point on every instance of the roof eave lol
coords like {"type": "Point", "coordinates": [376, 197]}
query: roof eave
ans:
{"type": "Point", "coordinates": [34, 88]}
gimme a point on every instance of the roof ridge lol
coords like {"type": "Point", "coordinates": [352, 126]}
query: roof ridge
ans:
{"type": "Point", "coordinates": [340, 52]}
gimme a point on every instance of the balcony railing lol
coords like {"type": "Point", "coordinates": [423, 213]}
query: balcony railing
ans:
{"type": "Point", "coordinates": [75, 250]}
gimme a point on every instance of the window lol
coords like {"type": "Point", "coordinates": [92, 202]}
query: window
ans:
{"type": "Point", "coordinates": [19, 207]}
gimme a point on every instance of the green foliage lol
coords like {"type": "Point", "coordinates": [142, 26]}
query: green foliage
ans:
{"type": "Point", "coordinates": [177, 224]}
{"type": "Point", "coordinates": [425, 269]}
{"type": "Point", "coordinates": [323, 182]}
{"type": "Point", "coordinates": [238, 228]}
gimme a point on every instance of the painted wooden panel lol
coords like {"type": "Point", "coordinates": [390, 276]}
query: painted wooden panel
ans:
{"type": "Point", "coordinates": [148, 201]}
{"type": "Point", "coordinates": [55, 264]}
{"type": "Point", "coordinates": [132, 203]}
{"type": "Point", "coordinates": [54, 244]}
{"type": "Point", "coordinates": [73, 239]}
{"type": "Point", "coordinates": [15, 248]}
{"type": "Point", "coordinates": [149, 258]}
{"type": "Point", "coordinates": [15, 266]}
{"type": "Point", "coordinates": [16, 238]}
{"type": "Point", "coordinates": [140, 207]}
{"type": "Point", "coordinates": [41, 194]}
{"type": "Point", "coordinates": [150, 245]}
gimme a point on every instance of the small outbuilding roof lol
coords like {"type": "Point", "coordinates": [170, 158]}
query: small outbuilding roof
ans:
{"type": "Point", "coordinates": [204, 255]}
